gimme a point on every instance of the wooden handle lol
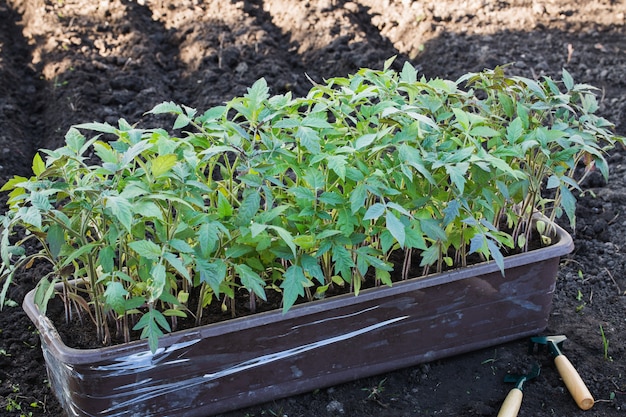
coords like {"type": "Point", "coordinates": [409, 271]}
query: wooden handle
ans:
{"type": "Point", "coordinates": [574, 383]}
{"type": "Point", "coordinates": [512, 403]}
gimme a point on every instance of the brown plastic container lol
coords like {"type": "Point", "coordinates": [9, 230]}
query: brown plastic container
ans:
{"type": "Point", "coordinates": [252, 360]}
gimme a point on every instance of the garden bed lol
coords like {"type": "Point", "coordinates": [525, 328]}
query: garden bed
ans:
{"type": "Point", "coordinates": [72, 61]}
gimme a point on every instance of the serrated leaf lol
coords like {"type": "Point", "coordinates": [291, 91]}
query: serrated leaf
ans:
{"type": "Point", "coordinates": [74, 140]}
{"type": "Point", "coordinates": [150, 325]}
{"type": "Point", "coordinates": [105, 153]}
{"type": "Point", "coordinates": [343, 261]}
{"type": "Point", "coordinates": [121, 208]}
{"type": "Point", "coordinates": [432, 229]}
{"type": "Point", "coordinates": [293, 286]}
{"type": "Point", "coordinates": [212, 273]}
{"type": "Point", "coordinates": [553, 182]}
{"type": "Point", "coordinates": [567, 80]}
{"type": "Point", "coordinates": [338, 164]}
{"type": "Point", "coordinates": [484, 132]}
{"type": "Point", "coordinates": [115, 296]}
{"type": "Point", "coordinates": [176, 263]}
{"type": "Point", "coordinates": [147, 209]}
{"type": "Point", "coordinates": [251, 280]}
{"type": "Point", "coordinates": [395, 227]}
{"type": "Point", "coordinates": [157, 283]}
{"type": "Point", "coordinates": [514, 130]}
{"type": "Point", "coordinates": [181, 121]}
{"type": "Point", "coordinates": [106, 259]}
{"type": "Point", "coordinates": [358, 197]}
{"type": "Point", "coordinates": [166, 107]}
{"type": "Point", "coordinates": [331, 198]}
{"type": "Point", "coordinates": [146, 249]}
{"type": "Point", "coordinates": [31, 215]}
{"type": "Point", "coordinates": [409, 73]}
{"type": "Point", "coordinates": [364, 141]}
{"type": "Point", "coordinates": [314, 178]}
{"type": "Point", "coordinates": [134, 151]}
{"type": "Point", "coordinates": [451, 212]}
{"type": "Point", "coordinates": [249, 207]}
{"type": "Point", "coordinates": [495, 253]}
{"type": "Point", "coordinates": [430, 256]}
{"type": "Point", "coordinates": [568, 202]}
{"type": "Point", "coordinates": [374, 211]}
{"type": "Point", "coordinates": [457, 174]}
{"type": "Point", "coordinates": [39, 165]}
{"type": "Point", "coordinates": [162, 164]}
{"type": "Point", "coordinates": [286, 237]}
{"type": "Point", "coordinates": [224, 208]}
{"type": "Point", "coordinates": [312, 267]}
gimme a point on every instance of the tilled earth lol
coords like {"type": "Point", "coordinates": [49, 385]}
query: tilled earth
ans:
{"type": "Point", "coordinates": [71, 61]}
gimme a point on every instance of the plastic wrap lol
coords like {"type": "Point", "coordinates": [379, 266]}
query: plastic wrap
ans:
{"type": "Point", "coordinates": [252, 360]}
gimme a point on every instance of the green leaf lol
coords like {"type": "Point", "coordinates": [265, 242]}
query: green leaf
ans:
{"type": "Point", "coordinates": [293, 286]}
{"type": "Point", "coordinates": [166, 107]}
{"type": "Point", "coordinates": [224, 209]}
{"type": "Point", "coordinates": [98, 127]}
{"type": "Point", "coordinates": [331, 198]}
{"type": "Point", "coordinates": [568, 202]}
{"type": "Point", "coordinates": [312, 267]}
{"type": "Point", "coordinates": [309, 139]}
{"type": "Point", "coordinates": [105, 152]}
{"type": "Point", "coordinates": [115, 296]}
{"type": "Point", "coordinates": [122, 209]}
{"type": "Point", "coordinates": [374, 211]}
{"type": "Point", "coordinates": [74, 140]}
{"type": "Point", "coordinates": [358, 197]}
{"type": "Point", "coordinates": [212, 273]}
{"type": "Point", "coordinates": [55, 239]}
{"type": "Point", "coordinates": [395, 227]}
{"type": "Point", "coordinates": [343, 261]}
{"type": "Point", "coordinates": [484, 132]}
{"type": "Point", "coordinates": [365, 141]}
{"type": "Point", "coordinates": [457, 174]}
{"type": "Point", "coordinates": [286, 237]}
{"type": "Point", "coordinates": [249, 207]}
{"type": "Point", "coordinates": [514, 130]}
{"type": "Point", "coordinates": [39, 165]}
{"type": "Point", "coordinates": [150, 325]}
{"type": "Point", "coordinates": [43, 294]}
{"type": "Point", "coordinates": [156, 284]}
{"type": "Point", "coordinates": [163, 164]}
{"type": "Point", "coordinates": [430, 256]}
{"type": "Point", "coordinates": [77, 254]}
{"type": "Point", "coordinates": [106, 259]}
{"type": "Point", "coordinates": [568, 80]}
{"type": "Point", "coordinates": [256, 229]}
{"type": "Point", "coordinates": [181, 121]}
{"type": "Point", "coordinates": [146, 249]}
{"type": "Point", "coordinates": [314, 178]}
{"type": "Point", "coordinates": [432, 230]}
{"type": "Point", "coordinates": [147, 209]}
{"type": "Point", "coordinates": [31, 215]}
{"type": "Point", "coordinates": [338, 164]}
{"type": "Point", "coordinates": [134, 151]}
{"type": "Point", "coordinates": [176, 263]}
{"type": "Point", "coordinates": [409, 73]}
{"type": "Point", "coordinates": [251, 280]}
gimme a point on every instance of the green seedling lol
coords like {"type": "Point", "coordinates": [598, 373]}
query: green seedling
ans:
{"type": "Point", "coordinates": [375, 393]}
{"type": "Point", "coordinates": [605, 344]}
{"type": "Point", "coordinates": [298, 196]}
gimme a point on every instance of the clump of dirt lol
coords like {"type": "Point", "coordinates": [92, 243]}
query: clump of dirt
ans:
{"type": "Point", "coordinates": [72, 61]}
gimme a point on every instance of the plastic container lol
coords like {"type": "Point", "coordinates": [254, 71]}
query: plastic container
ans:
{"type": "Point", "coordinates": [252, 360]}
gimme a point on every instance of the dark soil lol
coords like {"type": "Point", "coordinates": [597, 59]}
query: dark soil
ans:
{"type": "Point", "coordinates": [66, 62]}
